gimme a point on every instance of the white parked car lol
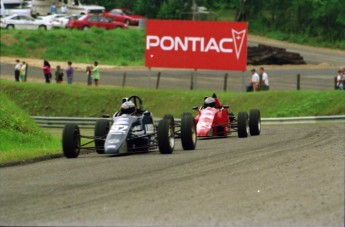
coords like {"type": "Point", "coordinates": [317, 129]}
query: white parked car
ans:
{"type": "Point", "coordinates": [60, 22]}
{"type": "Point", "coordinates": [17, 21]}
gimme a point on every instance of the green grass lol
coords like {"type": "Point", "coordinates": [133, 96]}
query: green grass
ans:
{"type": "Point", "coordinates": [78, 100]}
{"type": "Point", "coordinates": [21, 138]}
{"type": "Point", "coordinates": [113, 47]}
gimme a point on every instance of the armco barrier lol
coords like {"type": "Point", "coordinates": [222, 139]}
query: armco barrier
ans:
{"type": "Point", "coordinates": [60, 122]}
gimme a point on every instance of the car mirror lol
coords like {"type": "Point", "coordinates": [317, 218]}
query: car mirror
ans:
{"type": "Point", "coordinates": [195, 108]}
{"type": "Point", "coordinates": [226, 106]}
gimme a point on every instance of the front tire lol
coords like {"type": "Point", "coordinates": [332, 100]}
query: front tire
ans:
{"type": "Point", "coordinates": [165, 137]}
{"type": "Point", "coordinates": [71, 141]}
{"type": "Point", "coordinates": [254, 122]}
{"type": "Point", "coordinates": [242, 125]}
{"type": "Point", "coordinates": [102, 128]}
{"type": "Point", "coordinates": [170, 118]}
{"type": "Point", "coordinates": [188, 132]}
{"type": "Point", "coordinates": [85, 27]}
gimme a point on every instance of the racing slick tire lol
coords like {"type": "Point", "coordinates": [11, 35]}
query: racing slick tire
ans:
{"type": "Point", "coordinates": [71, 141]}
{"type": "Point", "coordinates": [254, 122]}
{"type": "Point", "coordinates": [165, 137]}
{"type": "Point", "coordinates": [188, 132]}
{"type": "Point", "coordinates": [171, 119]}
{"type": "Point", "coordinates": [102, 128]}
{"type": "Point", "coordinates": [242, 125]}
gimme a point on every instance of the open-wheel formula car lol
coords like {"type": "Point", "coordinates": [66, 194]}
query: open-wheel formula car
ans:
{"type": "Point", "coordinates": [131, 130]}
{"type": "Point", "coordinates": [214, 120]}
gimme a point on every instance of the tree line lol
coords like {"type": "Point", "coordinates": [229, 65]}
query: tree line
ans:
{"type": "Point", "coordinates": [324, 19]}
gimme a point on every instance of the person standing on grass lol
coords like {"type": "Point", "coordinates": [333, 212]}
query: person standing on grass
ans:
{"type": "Point", "coordinates": [69, 72]}
{"type": "Point", "coordinates": [58, 75]}
{"type": "Point", "coordinates": [17, 70]}
{"type": "Point", "coordinates": [265, 84]}
{"type": "Point", "coordinates": [47, 71]}
{"type": "Point", "coordinates": [23, 72]}
{"type": "Point", "coordinates": [89, 75]}
{"type": "Point", "coordinates": [95, 72]}
{"type": "Point", "coordinates": [254, 81]}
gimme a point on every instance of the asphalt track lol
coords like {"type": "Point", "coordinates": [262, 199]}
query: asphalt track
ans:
{"type": "Point", "coordinates": [291, 175]}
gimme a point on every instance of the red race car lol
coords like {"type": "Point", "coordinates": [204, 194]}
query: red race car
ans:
{"type": "Point", "coordinates": [214, 120]}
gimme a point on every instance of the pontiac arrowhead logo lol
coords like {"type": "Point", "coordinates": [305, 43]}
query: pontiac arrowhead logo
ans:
{"type": "Point", "coordinates": [238, 37]}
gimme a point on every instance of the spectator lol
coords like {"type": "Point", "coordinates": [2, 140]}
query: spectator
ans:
{"type": "Point", "coordinates": [63, 8]}
{"type": "Point", "coordinates": [264, 82]}
{"type": "Point", "coordinates": [47, 71]}
{"type": "Point", "coordinates": [340, 80]}
{"type": "Point", "coordinates": [17, 68]}
{"type": "Point", "coordinates": [95, 73]}
{"type": "Point", "coordinates": [89, 75]}
{"type": "Point", "coordinates": [58, 75]}
{"type": "Point", "coordinates": [23, 72]}
{"type": "Point", "coordinates": [69, 73]}
{"type": "Point", "coordinates": [254, 81]}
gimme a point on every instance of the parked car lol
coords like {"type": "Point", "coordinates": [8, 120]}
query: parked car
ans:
{"type": "Point", "coordinates": [124, 16]}
{"type": "Point", "coordinates": [10, 8]}
{"type": "Point", "coordinates": [17, 21]}
{"type": "Point", "coordinates": [87, 21]}
{"type": "Point", "coordinates": [61, 22]}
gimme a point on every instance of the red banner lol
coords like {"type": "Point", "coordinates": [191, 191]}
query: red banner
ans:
{"type": "Point", "coordinates": [196, 44]}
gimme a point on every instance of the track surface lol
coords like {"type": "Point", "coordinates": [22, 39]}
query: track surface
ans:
{"type": "Point", "coordinates": [291, 175]}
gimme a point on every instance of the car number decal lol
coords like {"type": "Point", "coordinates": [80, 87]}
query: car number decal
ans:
{"type": "Point", "coordinates": [119, 129]}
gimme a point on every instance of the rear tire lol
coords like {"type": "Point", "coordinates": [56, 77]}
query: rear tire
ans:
{"type": "Point", "coordinates": [71, 141]}
{"type": "Point", "coordinates": [85, 27]}
{"type": "Point", "coordinates": [242, 125]}
{"type": "Point", "coordinates": [254, 122]}
{"type": "Point", "coordinates": [165, 137]}
{"type": "Point", "coordinates": [102, 128]}
{"type": "Point", "coordinates": [10, 27]}
{"type": "Point", "coordinates": [42, 27]}
{"type": "Point", "coordinates": [188, 132]}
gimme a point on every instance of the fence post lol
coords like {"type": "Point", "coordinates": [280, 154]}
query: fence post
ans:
{"type": "Point", "coordinates": [191, 81]}
{"type": "Point", "coordinates": [298, 81]}
{"type": "Point", "coordinates": [225, 81]}
{"type": "Point", "coordinates": [26, 71]}
{"type": "Point", "coordinates": [158, 80]}
{"type": "Point", "coordinates": [124, 79]}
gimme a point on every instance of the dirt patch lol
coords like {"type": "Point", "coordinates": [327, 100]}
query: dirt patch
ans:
{"type": "Point", "coordinates": [8, 38]}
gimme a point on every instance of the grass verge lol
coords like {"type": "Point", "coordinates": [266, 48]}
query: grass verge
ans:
{"type": "Point", "coordinates": [21, 138]}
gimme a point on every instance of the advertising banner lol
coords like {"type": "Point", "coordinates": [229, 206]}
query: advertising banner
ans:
{"type": "Point", "coordinates": [196, 44]}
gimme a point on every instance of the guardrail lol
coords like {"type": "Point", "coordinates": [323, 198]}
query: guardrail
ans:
{"type": "Point", "coordinates": [60, 122]}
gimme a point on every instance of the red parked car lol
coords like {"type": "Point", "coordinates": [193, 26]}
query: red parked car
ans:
{"type": "Point", "coordinates": [87, 21]}
{"type": "Point", "coordinates": [124, 16]}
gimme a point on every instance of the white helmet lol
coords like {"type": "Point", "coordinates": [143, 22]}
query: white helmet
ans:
{"type": "Point", "coordinates": [210, 102]}
{"type": "Point", "coordinates": [128, 107]}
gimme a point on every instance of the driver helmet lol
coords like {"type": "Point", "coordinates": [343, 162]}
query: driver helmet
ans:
{"type": "Point", "coordinates": [210, 102]}
{"type": "Point", "coordinates": [128, 108]}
